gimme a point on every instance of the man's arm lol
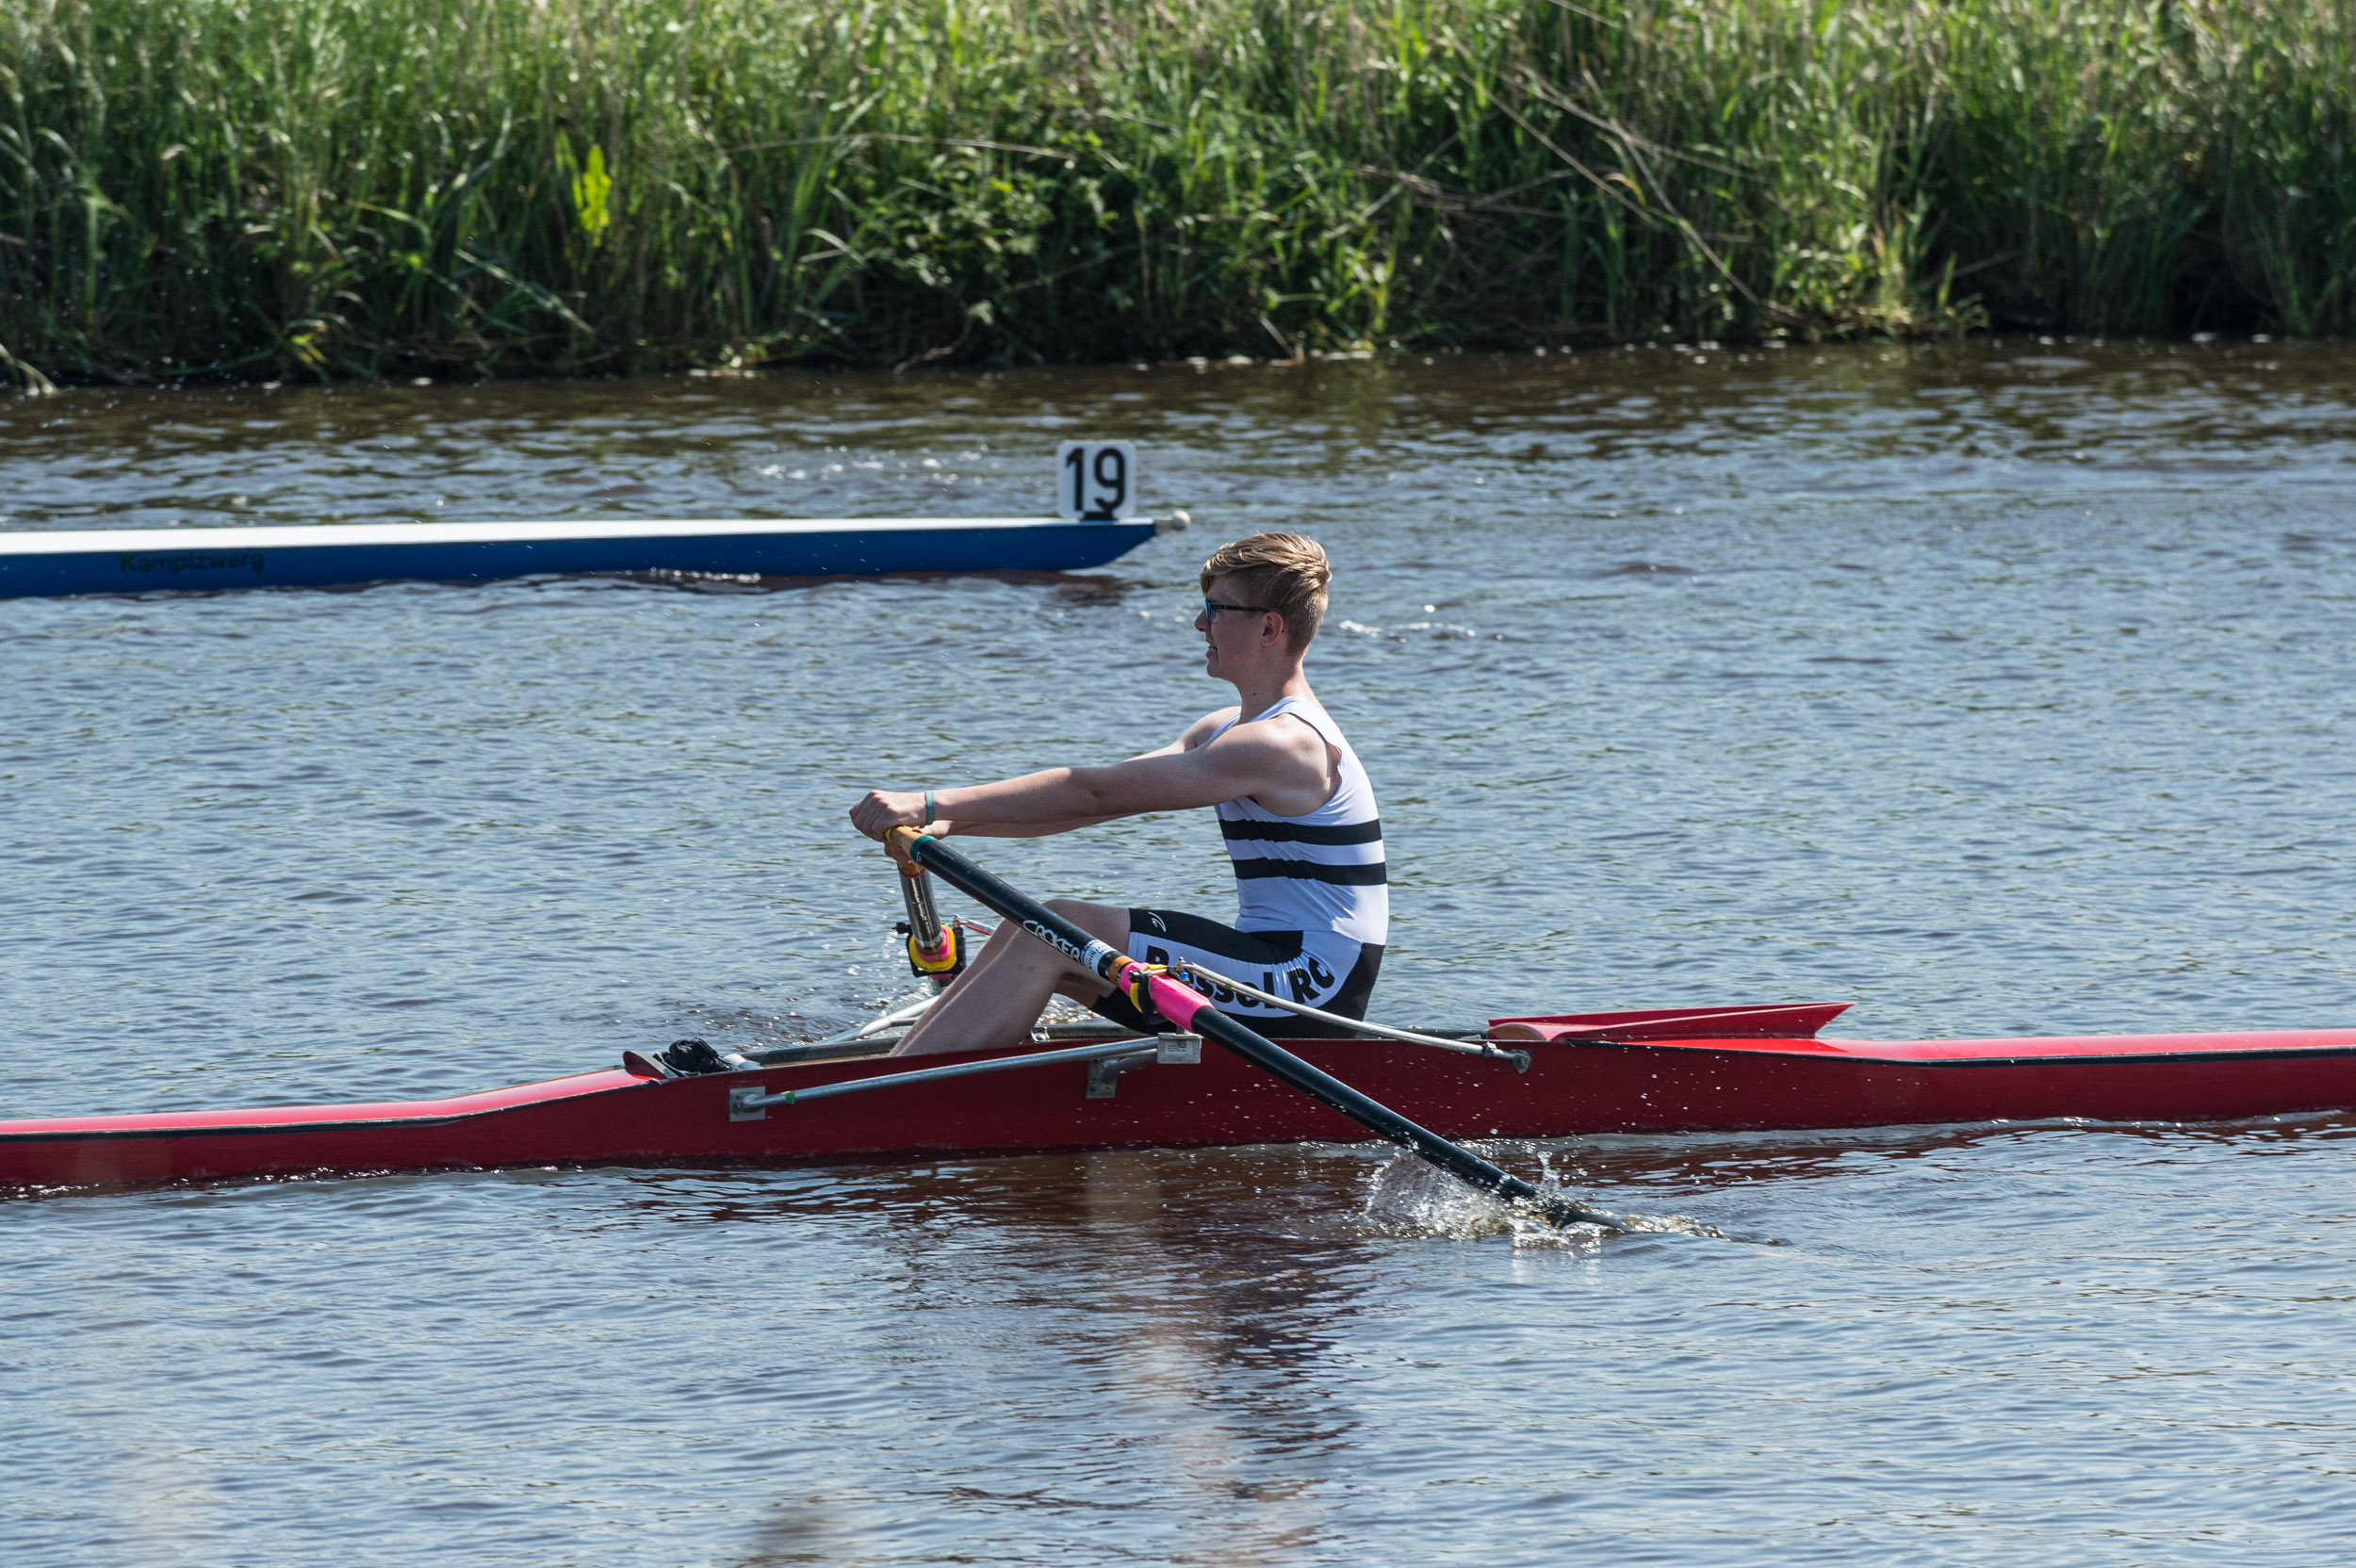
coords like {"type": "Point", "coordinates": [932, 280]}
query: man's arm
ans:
{"type": "Point", "coordinates": [1191, 772]}
{"type": "Point", "coordinates": [944, 824]}
{"type": "Point", "coordinates": [981, 827]}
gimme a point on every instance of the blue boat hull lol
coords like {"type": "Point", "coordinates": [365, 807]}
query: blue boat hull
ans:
{"type": "Point", "coordinates": [211, 560]}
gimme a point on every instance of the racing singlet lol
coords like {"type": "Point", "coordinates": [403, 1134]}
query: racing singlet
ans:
{"type": "Point", "coordinates": [1315, 873]}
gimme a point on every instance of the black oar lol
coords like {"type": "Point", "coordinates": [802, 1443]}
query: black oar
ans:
{"type": "Point", "coordinates": [1185, 1009]}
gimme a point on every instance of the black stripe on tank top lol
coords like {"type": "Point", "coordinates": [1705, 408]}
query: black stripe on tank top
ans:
{"type": "Point", "coordinates": [1295, 833]}
{"type": "Point", "coordinates": [1259, 868]}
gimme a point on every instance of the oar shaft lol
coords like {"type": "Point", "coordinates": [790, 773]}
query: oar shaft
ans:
{"type": "Point", "coordinates": [1379, 1119]}
{"type": "Point", "coordinates": [1187, 1010]}
{"type": "Point", "coordinates": [916, 894]}
{"type": "Point", "coordinates": [932, 950]}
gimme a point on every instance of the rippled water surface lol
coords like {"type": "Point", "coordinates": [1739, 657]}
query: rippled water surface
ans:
{"type": "Point", "coordinates": [2003, 690]}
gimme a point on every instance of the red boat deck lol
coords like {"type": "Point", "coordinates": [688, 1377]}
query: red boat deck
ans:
{"type": "Point", "coordinates": [1577, 1083]}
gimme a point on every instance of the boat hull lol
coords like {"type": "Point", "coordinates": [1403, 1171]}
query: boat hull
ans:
{"type": "Point", "coordinates": [209, 560]}
{"type": "Point", "coordinates": [1572, 1086]}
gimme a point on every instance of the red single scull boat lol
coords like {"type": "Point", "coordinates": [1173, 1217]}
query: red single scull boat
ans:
{"type": "Point", "coordinates": [1677, 1070]}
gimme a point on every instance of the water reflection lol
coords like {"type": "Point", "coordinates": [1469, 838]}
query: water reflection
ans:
{"type": "Point", "coordinates": [1572, 426]}
{"type": "Point", "coordinates": [1192, 1302]}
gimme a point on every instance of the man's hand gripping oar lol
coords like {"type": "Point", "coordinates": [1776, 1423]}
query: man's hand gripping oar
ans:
{"type": "Point", "coordinates": [1156, 993]}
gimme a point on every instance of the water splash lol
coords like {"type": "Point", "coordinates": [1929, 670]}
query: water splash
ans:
{"type": "Point", "coordinates": [1407, 1197]}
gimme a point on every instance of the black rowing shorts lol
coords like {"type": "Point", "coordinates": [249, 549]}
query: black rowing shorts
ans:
{"type": "Point", "coordinates": [1327, 970]}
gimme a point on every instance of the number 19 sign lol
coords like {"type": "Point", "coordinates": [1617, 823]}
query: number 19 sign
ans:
{"type": "Point", "coordinates": [1096, 481]}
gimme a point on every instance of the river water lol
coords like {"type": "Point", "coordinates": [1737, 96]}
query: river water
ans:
{"type": "Point", "coordinates": [2001, 689]}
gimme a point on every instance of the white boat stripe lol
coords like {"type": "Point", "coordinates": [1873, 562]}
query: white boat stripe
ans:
{"type": "Point", "coordinates": [283, 537]}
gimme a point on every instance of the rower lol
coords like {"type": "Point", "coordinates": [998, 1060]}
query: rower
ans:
{"type": "Point", "coordinates": [1295, 807]}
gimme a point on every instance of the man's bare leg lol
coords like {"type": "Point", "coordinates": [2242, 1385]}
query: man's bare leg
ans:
{"type": "Point", "coordinates": [1002, 993]}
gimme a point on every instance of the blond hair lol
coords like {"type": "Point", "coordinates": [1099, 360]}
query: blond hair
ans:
{"type": "Point", "coordinates": [1283, 572]}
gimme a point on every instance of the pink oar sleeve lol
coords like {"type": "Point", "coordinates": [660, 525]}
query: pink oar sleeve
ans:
{"type": "Point", "coordinates": [1175, 1002]}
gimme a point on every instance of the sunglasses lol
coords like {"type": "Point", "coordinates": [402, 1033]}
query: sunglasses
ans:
{"type": "Point", "coordinates": [1212, 606]}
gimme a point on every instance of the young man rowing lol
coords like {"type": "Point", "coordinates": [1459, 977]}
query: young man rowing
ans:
{"type": "Point", "coordinates": [1295, 807]}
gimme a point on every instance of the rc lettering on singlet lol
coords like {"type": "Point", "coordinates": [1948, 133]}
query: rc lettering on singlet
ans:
{"type": "Point", "coordinates": [1307, 980]}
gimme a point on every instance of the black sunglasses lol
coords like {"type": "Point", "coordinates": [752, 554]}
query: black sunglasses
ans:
{"type": "Point", "coordinates": [1212, 606]}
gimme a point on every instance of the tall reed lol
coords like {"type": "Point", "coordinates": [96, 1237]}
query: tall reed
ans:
{"type": "Point", "coordinates": [379, 186]}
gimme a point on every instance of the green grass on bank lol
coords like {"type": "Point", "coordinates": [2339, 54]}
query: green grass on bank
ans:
{"type": "Point", "coordinates": [391, 187]}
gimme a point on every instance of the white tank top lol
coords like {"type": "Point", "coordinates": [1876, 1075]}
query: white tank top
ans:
{"type": "Point", "coordinates": [1323, 872]}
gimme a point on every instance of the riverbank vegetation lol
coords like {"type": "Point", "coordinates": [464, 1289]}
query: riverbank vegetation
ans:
{"type": "Point", "coordinates": [369, 187]}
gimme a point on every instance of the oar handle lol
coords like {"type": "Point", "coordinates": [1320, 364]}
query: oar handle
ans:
{"type": "Point", "coordinates": [935, 951]}
{"type": "Point", "coordinates": [1184, 1007]}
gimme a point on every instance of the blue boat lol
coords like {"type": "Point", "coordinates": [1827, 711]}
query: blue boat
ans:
{"type": "Point", "coordinates": [206, 559]}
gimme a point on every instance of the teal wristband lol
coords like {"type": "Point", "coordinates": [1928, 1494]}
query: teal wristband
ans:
{"type": "Point", "coordinates": [928, 810]}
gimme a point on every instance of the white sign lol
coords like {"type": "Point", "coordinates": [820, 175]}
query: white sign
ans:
{"type": "Point", "coordinates": [1096, 481]}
